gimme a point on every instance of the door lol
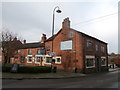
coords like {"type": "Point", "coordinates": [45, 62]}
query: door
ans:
{"type": "Point", "coordinates": [98, 64]}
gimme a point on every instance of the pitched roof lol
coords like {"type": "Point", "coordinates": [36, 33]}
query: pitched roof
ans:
{"type": "Point", "coordinates": [88, 36]}
{"type": "Point", "coordinates": [31, 45]}
{"type": "Point", "coordinates": [52, 37]}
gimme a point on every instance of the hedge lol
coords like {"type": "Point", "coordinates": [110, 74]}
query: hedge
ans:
{"type": "Point", "coordinates": [34, 69]}
{"type": "Point", "coordinates": [29, 69]}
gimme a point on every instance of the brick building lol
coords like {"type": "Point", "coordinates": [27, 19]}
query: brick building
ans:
{"type": "Point", "coordinates": [72, 49]}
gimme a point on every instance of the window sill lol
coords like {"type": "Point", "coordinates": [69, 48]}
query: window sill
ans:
{"type": "Point", "coordinates": [91, 67]}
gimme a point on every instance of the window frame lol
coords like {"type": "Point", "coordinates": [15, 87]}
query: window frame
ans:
{"type": "Point", "coordinates": [28, 59]}
{"type": "Point", "coordinates": [47, 48]}
{"type": "Point", "coordinates": [105, 61]}
{"type": "Point", "coordinates": [36, 59]}
{"type": "Point", "coordinates": [102, 49]}
{"type": "Point", "coordinates": [96, 47]}
{"type": "Point", "coordinates": [56, 60]}
{"type": "Point", "coordinates": [88, 46]}
{"type": "Point", "coordinates": [46, 59]}
{"type": "Point", "coordinates": [90, 57]}
{"type": "Point", "coordinates": [38, 50]}
{"type": "Point", "coordinates": [70, 34]}
{"type": "Point", "coordinates": [29, 51]}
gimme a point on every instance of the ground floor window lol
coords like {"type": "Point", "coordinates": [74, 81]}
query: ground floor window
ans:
{"type": "Point", "coordinates": [58, 60]}
{"type": "Point", "coordinates": [103, 61]}
{"type": "Point", "coordinates": [90, 61]}
{"type": "Point", "coordinates": [48, 59]}
{"type": "Point", "coordinates": [38, 59]}
{"type": "Point", "coordinates": [22, 59]}
{"type": "Point", "coordinates": [30, 59]}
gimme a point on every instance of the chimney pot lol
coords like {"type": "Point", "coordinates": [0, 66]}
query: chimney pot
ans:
{"type": "Point", "coordinates": [66, 23]}
{"type": "Point", "coordinates": [43, 38]}
{"type": "Point", "coordinates": [24, 41]}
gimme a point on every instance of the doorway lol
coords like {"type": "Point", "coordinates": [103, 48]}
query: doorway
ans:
{"type": "Point", "coordinates": [98, 64]}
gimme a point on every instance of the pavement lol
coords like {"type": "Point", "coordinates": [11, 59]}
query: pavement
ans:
{"type": "Point", "coordinates": [115, 69]}
{"type": "Point", "coordinates": [57, 75]}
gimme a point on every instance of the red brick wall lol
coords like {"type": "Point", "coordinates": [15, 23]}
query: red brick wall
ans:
{"type": "Point", "coordinates": [68, 59]}
{"type": "Point", "coordinates": [24, 52]}
{"type": "Point", "coordinates": [93, 51]}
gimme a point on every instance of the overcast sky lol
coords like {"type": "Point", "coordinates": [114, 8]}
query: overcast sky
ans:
{"type": "Point", "coordinates": [31, 19]}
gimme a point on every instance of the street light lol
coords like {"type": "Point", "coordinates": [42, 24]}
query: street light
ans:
{"type": "Point", "coordinates": [58, 11]}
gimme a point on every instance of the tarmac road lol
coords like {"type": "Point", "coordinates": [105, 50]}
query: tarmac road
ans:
{"type": "Point", "coordinates": [96, 80]}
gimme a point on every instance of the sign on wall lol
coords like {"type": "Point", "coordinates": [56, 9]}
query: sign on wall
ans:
{"type": "Point", "coordinates": [66, 45]}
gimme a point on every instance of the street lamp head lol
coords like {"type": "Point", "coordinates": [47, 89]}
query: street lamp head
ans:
{"type": "Point", "coordinates": [58, 11]}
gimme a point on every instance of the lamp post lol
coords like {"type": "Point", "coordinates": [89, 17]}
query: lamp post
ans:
{"type": "Point", "coordinates": [58, 11]}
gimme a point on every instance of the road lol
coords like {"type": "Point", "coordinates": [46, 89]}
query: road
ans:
{"type": "Point", "coordinates": [96, 80]}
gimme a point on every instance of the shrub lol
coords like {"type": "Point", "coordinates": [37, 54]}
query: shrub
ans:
{"type": "Point", "coordinates": [6, 69]}
{"type": "Point", "coordinates": [29, 69]}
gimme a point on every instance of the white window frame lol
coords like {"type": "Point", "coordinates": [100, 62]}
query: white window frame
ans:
{"type": "Point", "coordinates": [36, 60]}
{"type": "Point", "coordinates": [56, 60]}
{"type": "Point", "coordinates": [90, 57]}
{"type": "Point", "coordinates": [28, 59]}
{"type": "Point", "coordinates": [105, 61]}
{"type": "Point", "coordinates": [45, 59]}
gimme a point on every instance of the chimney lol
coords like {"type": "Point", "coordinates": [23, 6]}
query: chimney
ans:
{"type": "Point", "coordinates": [15, 39]}
{"type": "Point", "coordinates": [43, 38]}
{"type": "Point", "coordinates": [66, 23]}
{"type": "Point", "coordinates": [24, 41]}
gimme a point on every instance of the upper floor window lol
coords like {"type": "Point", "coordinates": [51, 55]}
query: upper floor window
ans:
{"type": "Point", "coordinates": [89, 44]}
{"type": "Point", "coordinates": [48, 48]}
{"type": "Point", "coordinates": [29, 51]}
{"type": "Point", "coordinates": [38, 51]}
{"type": "Point", "coordinates": [70, 34]}
{"type": "Point", "coordinates": [96, 47]}
{"type": "Point", "coordinates": [102, 48]}
{"type": "Point", "coordinates": [18, 52]}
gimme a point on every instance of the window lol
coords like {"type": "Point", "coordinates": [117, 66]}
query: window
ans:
{"type": "Point", "coordinates": [29, 52]}
{"type": "Point", "coordinates": [38, 59]}
{"type": "Point", "coordinates": [96, 47]}
{"type": "Point", "coordinates": [15, 57]}
{"type": "Point", "coordinates": [90, 61]}
{"type": "Point", "coordinates": [103, 61]}
{"type": "Point", "coordinates": [38, 51]}
{"type": "Point", "coordinates": [58, 60]}
{"type": "Point", "coordinates": [89, 44]}
{"type": "Point", "coordinates": [22, 59]}
{"type": "Point", "coordinates": [29, 59]}
{"type": "Point", "coordinates": [48, 48]}
{"type": "Point", "coordinates": [48, 59]}
{"type": "Point", "coordinates": [102, 49]}
{"type": "Point", "coordinates": [70, 34]}
{"type": "Point", "coordinates": [18, 52]}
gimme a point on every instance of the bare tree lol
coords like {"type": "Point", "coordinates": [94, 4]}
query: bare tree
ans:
{"type": "Point", "coordinates": [9, 43]}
